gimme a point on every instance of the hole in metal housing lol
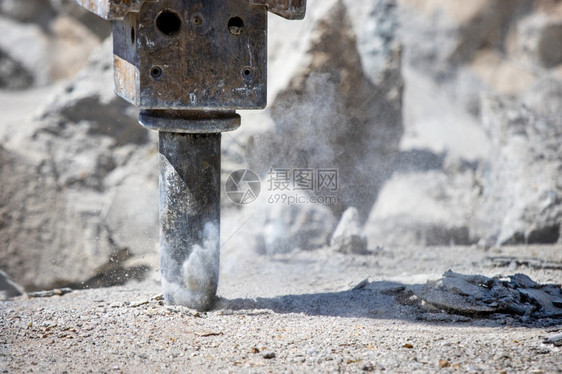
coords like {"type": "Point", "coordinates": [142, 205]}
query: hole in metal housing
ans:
{"type": "Point", "coordinates": [235, 25]}
{"type": "Point", "coordinates": [247, 72]}
{"type": "Point", "coordinates": [197, 20]}
{"type": "Point", "coordinates": [156, 72]}
{"type": "Point", "coordinates": [168, 23]}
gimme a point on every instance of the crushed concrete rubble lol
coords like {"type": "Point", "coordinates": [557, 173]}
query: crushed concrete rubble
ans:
{"type": "Point", "coordinates": [479, 296]}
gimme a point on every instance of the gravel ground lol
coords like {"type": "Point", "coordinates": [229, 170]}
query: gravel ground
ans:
{"type": "Point", "coordinates": [292, 313]}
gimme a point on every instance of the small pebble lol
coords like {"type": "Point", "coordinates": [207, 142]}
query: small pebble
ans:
{"type": "Point", "coordinates": [269, 355]}
{"type": "Point", "coordinates": [554, 339]}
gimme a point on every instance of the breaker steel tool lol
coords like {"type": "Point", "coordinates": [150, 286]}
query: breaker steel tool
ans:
{"type": "Point", "coordinates": [189, 65]}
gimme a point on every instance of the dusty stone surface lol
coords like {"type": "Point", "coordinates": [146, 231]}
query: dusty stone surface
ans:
{"type": "Point", "coordinates": [430, 208]}
{"type": "Point", "coordinates": [78, 173]}
{"type": "Point", "coordinates": [464, 35]}
{"type": "Point", "coordinates": [284, 228]}
{"type": "Point", "coordinates": [29, 11]}
{"type": "Point", "coordinates": [348, 235]}
{"type": "Point", "coordinates": [481, 48]}
{"type": "Point", "coordinates": [297, 313]}
{"type": "Point", "coordinates": [346, 70]}
{"type": "Point", "coordinates": [26, 48]}
{"type": "Point", "coordinates": [44, 42]}
{"type": "Point", "coordinates": [538, 36]}
{"type": "Point", "coordinates": [545, 97]}
{"type": "Point", "coordinates": [336, 101]}
{"type": "Point", "coordinates": [520, 181]}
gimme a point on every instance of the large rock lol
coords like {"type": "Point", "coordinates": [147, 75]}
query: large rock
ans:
{"type": "Point", "coordinates": [335, 103]}
{"type": "Point", "coordinates": [79, 194]}
{"type": "Point", "coordinates": [336, 98]}
{"type": "Point", "coordinates": [521, 187]}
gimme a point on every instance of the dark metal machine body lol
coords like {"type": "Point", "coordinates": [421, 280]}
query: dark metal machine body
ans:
{"type": "Point", "coordinates": [188, 65]}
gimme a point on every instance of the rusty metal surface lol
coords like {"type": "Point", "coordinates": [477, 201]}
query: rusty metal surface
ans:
{"type": "Point", "coordinates": [112, 10]}
{"type": "Point", "coordinates": [115, 10]}
{"type": "Point", "coordinates": [125, 79]}
{"type": "Point", "coordinates": [194, 122]}
{"type": "Point", "coordinates": [189, 180]}
{"type": "Point", "coordinates": [214, 60]}
{"type": "Point", "coordinates": [192, 54]}
{"type": "Point", "coordinates": [289, 9]}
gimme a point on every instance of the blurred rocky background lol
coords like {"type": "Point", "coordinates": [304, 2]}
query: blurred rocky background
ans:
{"type": "Point", "coordinates": [442, 117]}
